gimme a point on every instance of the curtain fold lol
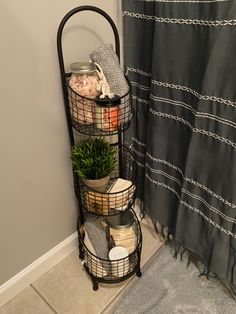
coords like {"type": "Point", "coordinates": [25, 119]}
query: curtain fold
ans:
{"type": "Point", "coordinates": [180, 59]}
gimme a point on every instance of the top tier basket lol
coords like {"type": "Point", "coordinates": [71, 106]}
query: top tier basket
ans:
{"type": "Point", "coordinates": [97, 116]}
{"type": "Point", "coordinates": [89, 116]}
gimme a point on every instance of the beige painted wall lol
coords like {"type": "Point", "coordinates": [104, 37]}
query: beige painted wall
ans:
{"type": "Point", "coordinates": [37, 204]}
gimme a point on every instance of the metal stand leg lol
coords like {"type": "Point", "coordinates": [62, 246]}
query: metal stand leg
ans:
{"type": "Point", "coordinates": [94, 280]}
{"type": "Point", "coordinates": [95, 284]}
{"type": "Point", "coordinates": [138, 271]}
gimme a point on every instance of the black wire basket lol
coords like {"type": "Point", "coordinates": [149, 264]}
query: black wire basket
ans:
{"type": "Point", "coordinates": [100, 117]}
{"type": "Point", "coordinates": [119, 194]}
{"type": "Point", "coordinates": [102, 269]}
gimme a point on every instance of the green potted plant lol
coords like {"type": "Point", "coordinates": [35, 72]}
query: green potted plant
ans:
{"type": "Point", "coordinates": [93, 160]}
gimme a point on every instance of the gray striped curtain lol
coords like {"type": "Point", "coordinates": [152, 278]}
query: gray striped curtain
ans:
{"type": "Point", "coordinates": [180, 57]}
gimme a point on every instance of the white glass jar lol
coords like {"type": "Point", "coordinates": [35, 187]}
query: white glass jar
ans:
{"type": "Point", "coordinates": [85, 82]}
{"type": "Point", "coordinates": [84, 79]}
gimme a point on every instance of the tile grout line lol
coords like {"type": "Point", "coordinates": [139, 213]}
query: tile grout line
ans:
{"type": "Point", "coordinates": [128, 284]}
{"type": "Point", "coordinates": [43, 298]}
{"type": "Point", "coordinates": [115, 297]}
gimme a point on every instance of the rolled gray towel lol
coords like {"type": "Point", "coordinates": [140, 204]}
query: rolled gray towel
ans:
{"type": "Point", "coordinates": [97, 237]}
{"type": "Point", "coordinates": [106, 57]}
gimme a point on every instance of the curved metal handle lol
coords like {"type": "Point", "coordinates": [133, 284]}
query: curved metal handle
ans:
{"type": "Point", "coordinates": [68, 16]}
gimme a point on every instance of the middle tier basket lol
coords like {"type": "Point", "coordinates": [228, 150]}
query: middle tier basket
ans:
{"type": "Point", "coordinates": [99, 117]}
{"type": "Point", "coordinates": [120, 192]}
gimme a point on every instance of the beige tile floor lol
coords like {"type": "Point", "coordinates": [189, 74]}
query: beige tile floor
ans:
{"type": "Point", "coordinates": [66, 288]}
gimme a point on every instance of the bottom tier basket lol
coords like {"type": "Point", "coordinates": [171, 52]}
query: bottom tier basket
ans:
{"type": "Point", "coordinates": [95, 257]}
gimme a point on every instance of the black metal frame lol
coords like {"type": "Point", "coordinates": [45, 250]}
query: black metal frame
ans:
{"type": "Point", "coordinates": [81, 218]}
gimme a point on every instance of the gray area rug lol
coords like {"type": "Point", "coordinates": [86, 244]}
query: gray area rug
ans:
{"type": "Point", "coordinates": [168, 286]}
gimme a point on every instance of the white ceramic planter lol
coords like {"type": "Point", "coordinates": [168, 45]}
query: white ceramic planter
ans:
{"type": "Point", "coordinates": [99, 185]}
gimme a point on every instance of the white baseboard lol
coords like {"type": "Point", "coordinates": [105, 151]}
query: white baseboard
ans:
{"type": "Point", "coordinates": [32, 272]}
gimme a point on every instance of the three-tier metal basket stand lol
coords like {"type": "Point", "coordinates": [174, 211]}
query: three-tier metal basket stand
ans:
{"type": "Point", "coordinates": [93, 205]}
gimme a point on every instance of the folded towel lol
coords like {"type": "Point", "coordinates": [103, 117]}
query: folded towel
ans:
{"type": "Point", "coordinates": [122, 193]}
{"type": "Point", "coordinates": [97, 237]}
{"type": "Point", "coordinates": [107, 59]}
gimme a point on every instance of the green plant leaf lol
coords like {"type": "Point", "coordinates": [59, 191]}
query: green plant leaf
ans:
{"type": "Point", "coordinates": [93, 158]}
